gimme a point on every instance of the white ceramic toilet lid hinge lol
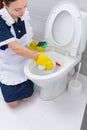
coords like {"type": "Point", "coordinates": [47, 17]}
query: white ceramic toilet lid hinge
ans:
{"type": "Point", "coordinates": [58, 50]}
{"type": "Point", "coordinates": [54, 49]}
{"type": "Point", "coordinates": [62, 51]}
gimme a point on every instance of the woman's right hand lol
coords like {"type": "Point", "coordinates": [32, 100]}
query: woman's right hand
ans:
{"type": "Point", "coordinates": [45, 61]}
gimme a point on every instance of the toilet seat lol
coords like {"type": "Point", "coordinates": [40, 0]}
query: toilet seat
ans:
{"type": "Point", "coordinates": [67, 63]}
{"type": "Point", "coordinates": [64, 27]}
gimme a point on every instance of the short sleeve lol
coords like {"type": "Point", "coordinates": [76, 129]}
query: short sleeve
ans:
{"type": "Point", "coordinates": [5, 34]}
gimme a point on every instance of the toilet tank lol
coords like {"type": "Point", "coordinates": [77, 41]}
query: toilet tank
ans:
{"type": "Point", "coordinates": [83, 39]}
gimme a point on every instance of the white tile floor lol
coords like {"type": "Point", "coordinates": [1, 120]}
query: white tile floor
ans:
{"type": "Point", "coordinates": [63, 113]}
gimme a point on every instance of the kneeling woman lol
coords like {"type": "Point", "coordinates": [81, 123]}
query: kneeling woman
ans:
{"type": "Point", "coordinates": [15, 35]}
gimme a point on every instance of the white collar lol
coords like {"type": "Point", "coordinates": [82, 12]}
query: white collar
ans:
{"type": "Point", "coordinates": [6, 16]}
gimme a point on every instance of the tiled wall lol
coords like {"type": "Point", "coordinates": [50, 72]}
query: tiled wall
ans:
{"type": "Point", "coordinates": [39, 11]}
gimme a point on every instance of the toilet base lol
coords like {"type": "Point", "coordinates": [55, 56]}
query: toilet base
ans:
{"type": "Point", "coordinates": [53, 89]}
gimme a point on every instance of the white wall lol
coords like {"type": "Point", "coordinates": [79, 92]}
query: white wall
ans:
{"type": "Point", "coordinates": [39, 11]}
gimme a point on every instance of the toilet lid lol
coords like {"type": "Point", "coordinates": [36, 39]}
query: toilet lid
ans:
{"type": "Point", "coordinates": [63, 28]}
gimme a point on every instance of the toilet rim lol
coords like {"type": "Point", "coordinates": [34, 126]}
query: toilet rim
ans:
{"type": "Point", "coordinates": [36, 77]}
{"type": "Point", "coordinates": [75, 14]}
{"type": "Point", "coordinates": [70, 63]}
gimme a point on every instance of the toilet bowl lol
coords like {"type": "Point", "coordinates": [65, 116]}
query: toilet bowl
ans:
{"type": "Point", "coordinates": [66, 34]}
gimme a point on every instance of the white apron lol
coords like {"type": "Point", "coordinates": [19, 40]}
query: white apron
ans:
{"type": "Point", "coordinates": [11, 64]}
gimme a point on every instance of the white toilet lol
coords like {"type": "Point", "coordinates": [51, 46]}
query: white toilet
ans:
{"type": "Point", "coordinates": [66, 31]}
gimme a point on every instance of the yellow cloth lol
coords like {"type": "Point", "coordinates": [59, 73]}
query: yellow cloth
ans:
{"type": "Point", "coordinates": [33, 46]}
{"type": "Point", "coordinates": [45, 61]}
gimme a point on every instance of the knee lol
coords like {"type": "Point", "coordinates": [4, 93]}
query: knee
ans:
{"type": "Point", "coordinates": [12, 104]}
